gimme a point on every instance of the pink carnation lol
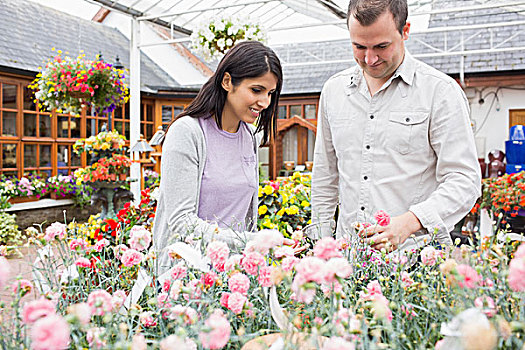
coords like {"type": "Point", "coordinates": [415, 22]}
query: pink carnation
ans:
{"type": "Point", "coordinates": [186, 313]}
{"type": "Point", "coordinates": [327, 248]}
{"type": "Point", "coordinates": [217, 251]}
{"type": "Point", "coordinates": [311, 269]}
{"type": "Point", "coordinates": [239, 283]}
{"type": "Point", "coordinates": [100, 302]}
{"type": "Point", "coordinates": [470, 276]}
{"type": "Point", "coordinates": [147, 320]}
{"type": "Point", "coordinates": [4, 271]}
{"type": "Point", "coordinates": [406, 280]}
{"type": "Point", "coordinates": [264, 278]}
{"type": "Point", "coordinates": [95, 339]}
{"type": "Point", "coordinates": [22, 286]}
{"type": "Point", "coordinates": [265, 240]}
{"type": "Point", "coordinates": [101, 244]}
{"type": "Point", "coordinates": [429, 256]}
{"type": "Point", "coordinates": [236, 302]}
{"type": "Point", "coordinates": [51, 332]}
{"type": "Point", "coordinates": [82, 311]}
{"type": "Point", "coordinates": [232, 262]}
{"type": "Point", "coordinates": [118, 299]}
{"type": "Point", "coordinates": [219, 331]}
{"type": "Point", "coordinates": [139, 238]}
{"type": "Point", "coordinates": [209, 279]}
{"type": "Point", "coordinates": [131, 258]}
{"type": "Point", "coordinates": [77, 244]}
{"type": "Point", "coordinates": [382, 218]}
{"type": "Point", "coordinates": [56, 229]}
{"type": "Point", "coordinates": [517, 270]}
{"type": "Point", "coordinates": [251, 262]}
{"type": "Point", "coordinates": [178, 271]}
{"type": "Point", "coordinates": [339, 267]}
{"type": "Point", "coordinates": [289, 263]}
{"type": "Point", "coordinates": [83, 262]}
{"type": "Point", "coordinates": [284, 251]}
{"type": "Point", "coordinates": [37, 309]}
{"type": "Point", "coordinates": [486, 304]}
{"type": "Point", "coordinates": [174, 342]}
{"type": "Point", "coordinates": [224, 299]}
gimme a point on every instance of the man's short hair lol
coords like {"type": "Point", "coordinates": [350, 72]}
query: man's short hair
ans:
{"type": "Point", "coordinates": [367, 11]}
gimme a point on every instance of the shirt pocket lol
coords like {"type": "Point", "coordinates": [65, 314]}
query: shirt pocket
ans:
{"type": "Point", "coordinates": [340, 128]}
{"type": "Point", "coordinates": [406, 130]}
{"type": "Point", "coordinates": [249, 168]}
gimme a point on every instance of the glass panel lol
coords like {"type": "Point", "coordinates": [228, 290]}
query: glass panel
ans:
{"type": "Point", "coordinates": [62, 156]}
{"type": "Point", "coordinates": [75, 127]}
{"type": "Point", "coordinates": [9, 123]}
{"type": "Point", "coordinates": [29, 156]}
{"type": "Point", "coordinates": [166, 114]}
{"type": "Point", "coordinates": [75, 159]}
{"type": "Point", "coordinates": [149, 131]}
{"type": "Point", "coordinates": [102, 125]}
{"type": "Point", "coordinates": [143, 129]}
{"type": "Point", "coordinates": [311, 145]}
{"type": "Point", "coordinates": [62, 126]}
{"type": "Point", "coordinates": [119, 126]}
{"type": "Point", "coordinates": [290, 145]}
{"type": "Point", "coordinates": [8, 96]}
{"type": "Point", "coordinates": [126, 130]}
{"type": "Point", "coordinates": [90, 127]}
{"type": "Point", "coordinates": [295, 111]}
{"type": "Point", "coordinates": [8, 155]}
{"type": "Point", "coordinates": [29, 99]}
{"type": "Point", "coordinates": [117, 113]}
{"type": "Point", "coordinates": [126, 111]}
{"type": "Point", "coordinates": [45, 125]}
{"type": "Point", "coordinates": [281, 112]}
{"type": "Point", "coordinates": [177, 110]}
{"type": "Point", "coordinates": [149, 113]}
{"type": "Point", "coordinates": [10, 174]}
{"type": "Point", "coordinates": [309, 111]}
{"type": "Point", "coordinates": [29, 124]}
{"type": "Point", "coordinates": [45, 155]}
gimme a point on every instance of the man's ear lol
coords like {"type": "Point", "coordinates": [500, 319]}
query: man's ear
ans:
{"type": "Point", "coordinates": [406, 30]}
{"type": "Point", "coordinates": [227, 81]}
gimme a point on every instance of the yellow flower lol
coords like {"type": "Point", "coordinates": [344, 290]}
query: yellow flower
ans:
{"type": "Point", "coordinates": [292, 210]}
{"type": "Point", "coordinates": [296, 175]}
{"type": "Point", "coordinates": [305, 204]}
{"type": "Point", "coordinates": [285, 198]}
{"type": "Point", "coordinates": [105, 146]}
{"type": "Point", "coordinates": [263, 209]}
{"type": "Point", "coordinates": [268, 189]}
{"type": "Point", "coordinates": [260, 191]}
{"type": "Point", "coordinates": [280, 212]}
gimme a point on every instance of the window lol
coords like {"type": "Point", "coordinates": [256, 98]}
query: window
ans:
{"type": "Point", "coordinates": [68, 126]}
{"type": "Point", "coordinates": [295, 110]}
{"type": "Point", "coordinates": [310, 111]}
{"type": "Point", "coordinates": [67, 161]}
{"type": "Point", "coordinates": [281, 112]}
{"type": "Point", "coordinates": [8, 109]}
{"type": "Point", "coordinates": [9, 160]}
{"type": "Point", "coordinates": [147, 122]}
{"type": "Point", "coordinates": [169, 112]}
{"type": "Point", "coordinates": [121, 120]}
{"type": "Point", "coordinates": [37, 157]}
{"type": "Point", "coordinates": [35, 123]}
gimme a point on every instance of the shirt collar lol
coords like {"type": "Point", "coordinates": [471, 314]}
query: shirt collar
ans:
{"type": "Point", "coordinates": [406, 69]}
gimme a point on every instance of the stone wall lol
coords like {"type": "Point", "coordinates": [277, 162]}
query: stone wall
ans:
{"type": "Point", "coordinates": [46, 215]}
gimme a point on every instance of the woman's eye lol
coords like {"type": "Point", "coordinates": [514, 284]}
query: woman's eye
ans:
{"type": "Point", "coordinates": [256, 90]}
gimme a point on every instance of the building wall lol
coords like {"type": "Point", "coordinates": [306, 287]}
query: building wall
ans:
{"type": "Point", "coordinates": [491, 119]}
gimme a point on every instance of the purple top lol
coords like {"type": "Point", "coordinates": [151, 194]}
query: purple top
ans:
{"type": "Point", "coordinates": [230, 178]}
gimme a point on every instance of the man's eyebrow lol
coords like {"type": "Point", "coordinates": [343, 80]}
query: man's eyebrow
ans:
{"type": "Point", "coordinates": [380, 44]}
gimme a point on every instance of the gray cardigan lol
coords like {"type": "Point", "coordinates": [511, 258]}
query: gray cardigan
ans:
{"type": "Point", "coordinates": [183, 160]}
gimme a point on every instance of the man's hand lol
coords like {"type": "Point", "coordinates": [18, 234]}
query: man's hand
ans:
{"type": "Point", "coordinates": [394, 234]}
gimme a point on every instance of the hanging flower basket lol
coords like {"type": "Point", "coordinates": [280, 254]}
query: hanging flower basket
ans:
{"type": "Point", "coordinates": [213, 38]}
{"type": "Point", "coordinates": [68, 85]}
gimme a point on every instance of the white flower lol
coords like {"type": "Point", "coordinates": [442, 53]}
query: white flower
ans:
{"type": "Point", "coordinates": [221, 43]}
{"type": "Point", "coordinates": [220, 25]}
{"type": "Point", "coordinates": [229, 42]}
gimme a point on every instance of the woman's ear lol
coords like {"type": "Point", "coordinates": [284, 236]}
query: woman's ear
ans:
{"type": "Point", "coordinates": [227, 81]}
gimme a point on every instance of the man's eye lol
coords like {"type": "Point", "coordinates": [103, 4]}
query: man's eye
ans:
{"type": "Point", "coordinates": [382, 47]}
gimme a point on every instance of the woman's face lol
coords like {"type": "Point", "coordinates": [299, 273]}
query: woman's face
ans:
{"type": "Point", "coordinates": [247, 100]}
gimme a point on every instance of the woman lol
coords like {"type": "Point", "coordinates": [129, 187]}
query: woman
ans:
{"type": "Point", "coordinates": [209, 176]}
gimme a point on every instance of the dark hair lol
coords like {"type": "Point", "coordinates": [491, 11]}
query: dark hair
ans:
{"type": "Point", "coordinates": [367, 11]}
{"type": "Point", "coordinates": [248, 59]}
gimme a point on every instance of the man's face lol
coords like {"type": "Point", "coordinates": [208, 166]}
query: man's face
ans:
{"type": "Point", "coordinates": [378, 48]}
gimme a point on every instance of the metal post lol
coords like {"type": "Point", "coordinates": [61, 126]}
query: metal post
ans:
{"type": "Point", "coordinates": [134, 104]}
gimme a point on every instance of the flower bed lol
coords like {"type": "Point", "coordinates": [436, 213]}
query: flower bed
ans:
{"type": "Point", "coordinates": [31, 186]}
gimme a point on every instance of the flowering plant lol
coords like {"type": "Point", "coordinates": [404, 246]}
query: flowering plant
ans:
{"type": "Point", "coordinates": [67, 85]}
{"type": "Point", "coordinates": [105, 169]}
{"type": "Point", "coordinates": [29, 185]}
{"type": "Point", "coordinates": [213, 38]}
{"type": "Point", "coordinates": [103, 141]}
{"type": "Point", "coordinates": [151, 179]}
{"type": "Point", "coordinates": [285, 204]}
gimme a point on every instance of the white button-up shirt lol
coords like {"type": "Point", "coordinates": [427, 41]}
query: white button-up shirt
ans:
{"type": "Point", "coordinates": [408, 147]}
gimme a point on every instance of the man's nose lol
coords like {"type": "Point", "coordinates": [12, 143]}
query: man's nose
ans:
{"type": "Point", "coordinates": [370, 57]}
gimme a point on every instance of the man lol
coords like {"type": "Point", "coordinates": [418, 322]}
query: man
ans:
{"type": "Point", "coordinates": [394, 135]}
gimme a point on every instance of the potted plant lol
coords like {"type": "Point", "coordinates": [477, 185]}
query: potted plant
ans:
{"type": "Point", "coordinates": [29, 188]}
{"type": "Point", "coordinates": [214, 37]}
{"type": "Point", "coordinates": [104, 143]}
{"type": "Point", "coordinates": [70, 84]}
